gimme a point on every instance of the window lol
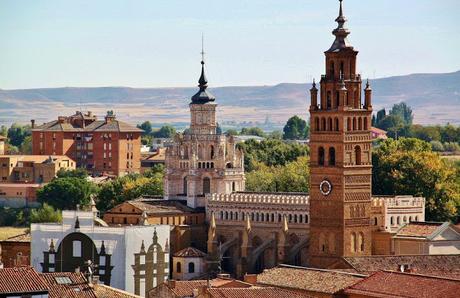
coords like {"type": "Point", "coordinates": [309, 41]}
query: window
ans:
{"type": "Point", "coordinates": [178, 267]}
{"type": "Point", "coordinates": [76, 252]}
{"type": "Point", "coordinates": [233, 186]}
{"type": "Point", "coordinates": [361, 241]}
{"type": "Point", "coordinates": [206, 185]}
{"type": "Point", "coordinates": [329, 124]}
{"type": "Point", "coordinates": [353, 247]}
{"type": "Point", "coordinates": [317, 124]}
{"type": "Point", "coordinates": [331, 70]}
{"type": "Point", "coordinates": [332, 156]}
{"type": "Point", "coordinates": [191, 267]}
{"type": "Point", "coordinates": [321, 156]}
{"type": "Point", "coordinates": [323, 124]}
{"type": "Point", "coordinates": [357, 155]}
{"type": "Point", "coordinates": [375, 221]}
{"type": "Point", "coordinates": [365, 124]}
{"type": "Point", "coordinates": [328, 100]}
{"type": "Point", "coordinates": [392, 220]}
{"type": "Point", "coordinates": [185, 186]}
{"type": "Point", "coordinates": [398, 220]}
{"type": "Point", "coordinates": [336, 126]}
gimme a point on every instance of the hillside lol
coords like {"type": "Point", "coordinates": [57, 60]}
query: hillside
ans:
{"type": "Point", "coordinates": [435, 99]}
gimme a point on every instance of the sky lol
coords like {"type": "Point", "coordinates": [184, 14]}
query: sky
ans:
{"type": "Point", "coordinates": [157, 43]}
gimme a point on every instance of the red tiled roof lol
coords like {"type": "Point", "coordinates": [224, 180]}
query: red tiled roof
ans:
{"type": "Point", "coordinates": [190, 252]}
{"type": "Point", "coordinates": [397, 284]}
{"type": "Point", "coordinates": [78, 288]}
{"type": "Point", "coordinates": [185, 288]}
{"type": "Point", "coordinates": [307, 279]}
{"type": "Point", "coordinates": [21, 280]}
{"type": "Point", "coordinates": [438, 265]}
{"type": "Point", "coordinates": [254, 292]}
{"type": "Point", "coordinates": [103, 291]}
{"type": "Point", "coordinates": [419, 229]}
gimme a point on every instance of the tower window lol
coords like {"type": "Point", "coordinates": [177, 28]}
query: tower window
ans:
{"type": "Point", "coordinates": [349, 124]}
{"type": "Point", "coordinates": [206, 185]}
{"type": "Point", "coordinates": [331, 70]}
{"type": "Point", "coordinates": [323, 124]}
{"type": "Point", "coordinates": [336, 127]}
{"type": "Point", "coordinates": [191, 267]}
{"type": "Point", "coordinates": [328, 100]}
{"type": "Point", "coordinates": [317, 124]}
{"type": "Point", "coordinates": [357, 155]}
{"type": "Point", "coordinates": [354, 123]}
{"type": "Point", "coordinates": [185, 186]}
{"type": "Point", "coordinates": [321, 156]}
{"type": "Point", "coordinates": [332, 156]}
{"type": "Point", "coordinates": [365, 123]}
{"type": "Point", "coordinates": [329, 124]}
{"type": "Point", "coordinates": [360, 123]}
{"type": "Point", "coordinates": [337, 99]}
{"type": "Point", "coordinates": [361, 241]}
{"type": "Point", "coordinates": [341, 69]}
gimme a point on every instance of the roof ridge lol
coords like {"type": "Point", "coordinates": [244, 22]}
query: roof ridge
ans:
{"type": "Point", "coordinates": [320, 269]}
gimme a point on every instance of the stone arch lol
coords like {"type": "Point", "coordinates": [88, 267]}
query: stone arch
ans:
{"type": "Point", "coordinates": [297, 246]}
{"type": "Point", "coordinates": [262, 255]}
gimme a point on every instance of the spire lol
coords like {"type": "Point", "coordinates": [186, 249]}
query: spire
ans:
{"type": "Point", "coordinates": [142, 247]}
{"type": "Point", "coordinates": [313, 86]}
{"type": "Point", "coordinates": [77, 224]}
{"type": "Point", "coordinates": [102, 251]}
{"type": "Point", "coordinates": [202, 96]}
{"type": "Point", "coordinates": [340, 33]}
{"type": "Point", "coordinates": [51, 245]}
{"type": "Point", "coordinates": [155, 236]}
{"type": "Point", "coordinates": [368, 86]}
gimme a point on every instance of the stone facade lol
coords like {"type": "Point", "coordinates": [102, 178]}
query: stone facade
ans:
{"type": "Point", "coordinates": [253, 231]}
{"type": "Point", "coordinates": [390, 213]}
{"type": "Point", "coordinates": [200, 161]}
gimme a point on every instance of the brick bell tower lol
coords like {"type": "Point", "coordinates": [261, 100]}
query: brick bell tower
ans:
{"type": "Point", "coordinates": [340, 143]}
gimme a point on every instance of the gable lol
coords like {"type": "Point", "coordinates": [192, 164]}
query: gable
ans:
{"type": "Point", "coordinates": [447, 234]}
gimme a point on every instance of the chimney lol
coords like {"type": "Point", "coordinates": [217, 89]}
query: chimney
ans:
{"type": "Point", "coordinates": [171, 283]}
{"type": "Point", "coordinates": [61, 119]}
{"type": "Point", "coordinates": [32, 123]}
{"type": "Point", "coordinates": [109, 117]}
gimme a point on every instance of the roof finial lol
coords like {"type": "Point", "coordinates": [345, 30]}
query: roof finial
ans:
{"type": "Point", "coordinates": [202, 48]}
{"type": "Point", "coordinates": [202, 96]}
{"type": "Point", "coordinates": [368, 86]}
{"type": "Point", "coordinates": [340, 32]}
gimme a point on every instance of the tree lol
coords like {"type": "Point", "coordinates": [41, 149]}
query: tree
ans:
{"type": "Point", "coordinates": [380, 115]}
{"type": "Point", "coordinates": [393, 124]}
{"type": "Point", "coordinates": [437, 146]}
{"type": "Point", "coordinates": [45, 213]}
{"type": "Point", "coordinates": [231, 132]}
{"type": "Point", "coordinates": [77, 173]}
{"type": "Point", "coordinates": [404, 111]}
{"type": "Point", "coordinates": [253, 131]}
{"type": "Point", "coordinates": [166, 131]}
{"type": "Point", "coordinates": [146, 126]}
{"type": "Point", "coordinates": [262, 179]}
{"type": "Point", "coordinates": [450, 134]}
{"type": "Point", "coordinates": [17, 133]}
{"type": "Point", "coordinates": [26, 145]}
{"type": "Point", "coordinates": [66, 193]}
{"type": "Point", "coordinates": [408, 166]}
{"type": "Point", "coordinates": [295, 129]}
{"type": "Point", "coordinates": [4, 130]}
{"type": "Point", "coordinates": [426, 133]}
{"type": "Point", "coordinates": [276, 134]}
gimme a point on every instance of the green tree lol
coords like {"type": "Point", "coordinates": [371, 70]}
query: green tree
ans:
{"type": "Point", "coordinates": [276, 134]}
{"type": "Point", "coordinates": [450, 134]}
{"type": "Point", "coordinates": [295, 129]}
{"type": "Point", "coordinates": [262, 179]}
{"type": "Point", "coordinates": [404, 111]}
{"type": "Point", "coordinates": [146, 126]}
{"type": "Point", "coordinates": [77, 173]}
{"type": "Point", "coordinates": [26, 145]}
{"type": "Point", "coordinates": [426, 133]}
{"type": "Point", "coordinates": [4, 131]}
{"type": "Point", "coordinates": [393, 124]}
{"type": "Point", "coordinates": [66, 193]}
{"type": "Point", "coordinates": [380, 115]}
{"type": "Point", "coordinates": [408, 166]}
{"type": "Point", "coordinates": [437, 146]}
{"type": "Point", "coordinates": [166, 131]}
{"type": "Point", "coordinates": [231, 132]}
{"type": "Point", "coordinates": [253, 131]}
{"type": "Point", "coordinates": [45, 213]}
{"type": "Point", "coordinates": [17, 133]}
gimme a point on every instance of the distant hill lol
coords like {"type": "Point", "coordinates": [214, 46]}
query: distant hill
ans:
{"type": "Point", "coordinates": [435, 99]}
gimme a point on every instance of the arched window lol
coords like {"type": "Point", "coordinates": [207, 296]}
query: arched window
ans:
{"type": "Point", "coordinates": [341, 69]}
{"type": "Point", "coordinates": [360, 124]}
{"type": "Point", "coordinates": [295, 218]}
{"type": "Point", "coordinates": [328, 100]}
{"type": "Point", "coordinates": [354, 123]}
{"type": "Point", "coordinates": [365, 124]}
{"type": "Point", "coordinates": [178, 267]}
{"type": "Point", "coordinates": [229, 165]}
{"type": "Point", "coordinates": [392, 221]}
{"type": "Point", "coordinates": [306, 218]}
{"type": "Point", "coordinates": [226, 215]}
{"type": "Point", "coordinates": [233, 186]}
{"type": "Point", "coordinates": [184, 187]}
{"type": "Point", "coordinates": [222, 215]}
{"type": "Point", "coordinates": [273, 217]}
{"type": "Point", "coordinates": [211, 152]}
{"type": "Point", "coordinates": [405, 219]}
{"type": "Point", "coordinates": [257, 216]}
{"type": "Point", "coordinates": [231, 215]}
{"type": "Point", "coordinates": [375, 221]}
{"type": "Point", "coordinates": [191, 267]}
{"type": "Point", "coordinates": [323, 124]}
{"type": "Point", "coordinates": [353, 244]}
{"type": "Point", "coordinates": [336, 126]}
{"type": "Point", "coordinates": [206, 185]}
{"type": "Point", "coordinates": [361, 241]}
{"type": "Point", "coordinates": [279, 218]}
{"type": "Point", "coordinates": [329, 124]}
{"type": "Point", "coordinates": [349, 124]}
{"type": "Point", "coordinates": [290, 217]}
{"type": "Point", "coordinates": [252, 216]}
{"type": "Point", "coordinates": [321, 156]}
{"type": "Point", "coordinates": [301, 218]}
{"type": "Point", "coordinates": [416, 218]}
{"type": "Point", "coordinates": [337, 99]}
{"type": "Point", "coordinates": [332, 156]}
{"type": "Point", "coordinates": [331, 70]}
{"type": "Point", "coordinates": [357, 155]}
{"type": "Point", "coordinates": [410, 218]}
{"type": "Point", "coordinates": [317, 128]}
{"type": "Point", "coordinates": [398, 220]}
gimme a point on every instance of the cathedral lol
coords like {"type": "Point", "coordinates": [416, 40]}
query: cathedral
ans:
{"type": "Point", "coordinates": [202, 161]}
{"type": "Point", "coordinates": [248, 231]}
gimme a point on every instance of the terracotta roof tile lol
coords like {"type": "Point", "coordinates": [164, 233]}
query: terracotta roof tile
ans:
{"type": "Point", "coordinates": [438, 265]}
{"type": "Point", "coordinates": [154, 206]}
{"type": "Point", "coordinates": [103, 291]}
{"type": "Point", "coordinates": [185, 288]}
{"type": "Point", "coordinates": [308, 279]}
{"type": "Point", "coordinates": [397, 284]}
{"type": "Point", "coordinates": [266, 292]}
{"type": "Point", "coordinates": [76, 288]}
{"type": "Point", "coordinates": [190, 252]}
{"type": "Point", "coordinates": [419, 229]}
{"type": "Point", "coordinates": [19, 238]}
{"type": "Point", "coordinates": [21, 280]}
